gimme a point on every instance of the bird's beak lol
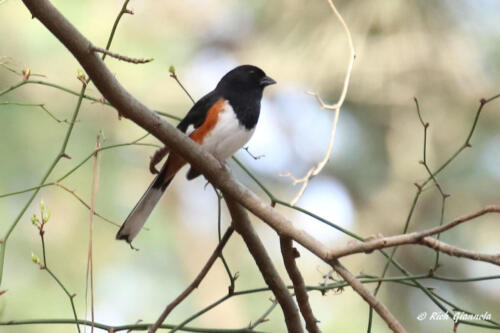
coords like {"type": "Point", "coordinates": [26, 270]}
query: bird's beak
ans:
{"type": "Point", "coordinates": [266, 81]}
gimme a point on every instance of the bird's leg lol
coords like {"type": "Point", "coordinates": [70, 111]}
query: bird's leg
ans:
{"type": "Point", "coordinates": [156, 158]}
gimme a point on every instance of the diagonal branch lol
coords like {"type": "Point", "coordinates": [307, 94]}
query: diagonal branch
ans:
{"type": "Point", "coordinates": [388, 317]}
{"type": "Point", "coordinates": [289, 254]}
{"type": "Point", "coordinates": [243, 226]}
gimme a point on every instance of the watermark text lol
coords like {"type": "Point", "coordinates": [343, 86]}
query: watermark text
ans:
{"type": "Point", "coordinates": [457, 316]}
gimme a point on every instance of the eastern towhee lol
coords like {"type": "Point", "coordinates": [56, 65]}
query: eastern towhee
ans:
{"type": "Point", "coordinates": [221, 122]}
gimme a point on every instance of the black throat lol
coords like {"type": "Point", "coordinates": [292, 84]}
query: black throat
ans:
{"type": "Point", "coordinates": [246, 105]}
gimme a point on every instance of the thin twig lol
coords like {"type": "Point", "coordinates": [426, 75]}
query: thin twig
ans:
{"type": "Point", "coordinates": [441, 220]}
{"type": "Point", "coordinates": [482, 103]}
{"type": "Point", "coordinates": [41, 231]}
{"type": "Point", "coordinates": [255, 157]}
{"type": "Point", "coordinates": [72, 192]}
{"type": "Point", "coordinates": [232, 278]}
{"type": "Point", "coordinates": [75, 93]}
{"type": "Point", "coordinates": [263, 317]}
{"type": "Point", "coordinates": [41, 106]}
{"type": "Point", "coordinates": [67, 174]}
{"type": "Point", "coordinates": [173, 75]}
{"type": "Point", "coordinates": [24, 73]}
{"type": "Point", "coordinates": [196, 281]}
{"type": "Point", "coordinates": [90, 261]}
{"type": "Point", "coordinates": [335, 107]}
{"type": "Point", "coordinates": [134, 327]}
{"type": "Point", "coordinates": [424, 162]}
{"type": "Point", "coordinates": [121, 57]}
{"type": "Point", "coordinates": [61, 154]}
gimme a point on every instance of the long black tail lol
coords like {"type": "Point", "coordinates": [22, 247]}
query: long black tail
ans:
{"type": "Point", "coordinates": [138, 216]}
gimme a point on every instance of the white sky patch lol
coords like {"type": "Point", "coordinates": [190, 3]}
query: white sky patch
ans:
{"type": "Point", "coordinates": [294, 131]}
{"type": "Point", "coordinates": [490, 156]}
{"type": "Point", "coordinates": [477, 268]}
{"type": "Point", "coordinates": [308, 125]}
{"type": "Point", "coordinates": [114, 306]}
{"type": "Point", "coordinates": [268, 140]}
{"type": "Point", "coordinates": [199, 204]}
{"type": "Point", "coordinates": [206, 70]}
{"type": "Point", "coordinates": [329, 199]}
{"type": "Point", "coordinates": [231, 24]}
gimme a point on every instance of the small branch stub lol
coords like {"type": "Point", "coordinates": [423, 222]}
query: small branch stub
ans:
{"type": "Point", "coordinates": [121, 57]}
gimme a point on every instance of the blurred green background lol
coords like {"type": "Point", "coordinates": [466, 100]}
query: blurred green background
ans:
{"type": "Point", "coordinates": [446, 53]}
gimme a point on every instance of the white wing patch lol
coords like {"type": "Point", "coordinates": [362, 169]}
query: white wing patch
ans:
{"type": "Point", "coordinates": [190, 130]}
{"type": "Point", "coordinates": [228, 135]}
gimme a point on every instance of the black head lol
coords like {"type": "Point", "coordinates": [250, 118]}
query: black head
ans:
{"type": "Point", "coordinates": [245, 78]}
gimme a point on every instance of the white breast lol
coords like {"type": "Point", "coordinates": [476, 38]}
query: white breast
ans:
{"type": "Point", "coordinates": [228, 135]}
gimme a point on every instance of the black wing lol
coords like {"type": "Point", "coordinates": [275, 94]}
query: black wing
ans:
{"type": "Point", "coordinates": [196, 117]}
{"type": "Point", "coordinates": [198, 113]}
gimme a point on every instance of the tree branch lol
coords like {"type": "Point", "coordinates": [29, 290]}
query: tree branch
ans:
{"type": "Point", "coordinates": [243, 226]}
{"type": "Point", "coordinates": [457, 252]}
{"type": "Point", "coordinates": [289, 254]}
{"type": "Point", "coordinates": [422, 237]}
{"type": "Point", "coordinates": [388, 317]}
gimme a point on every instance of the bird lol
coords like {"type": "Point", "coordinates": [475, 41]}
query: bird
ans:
{"type": "Point", "coordinates": [222, 122]}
